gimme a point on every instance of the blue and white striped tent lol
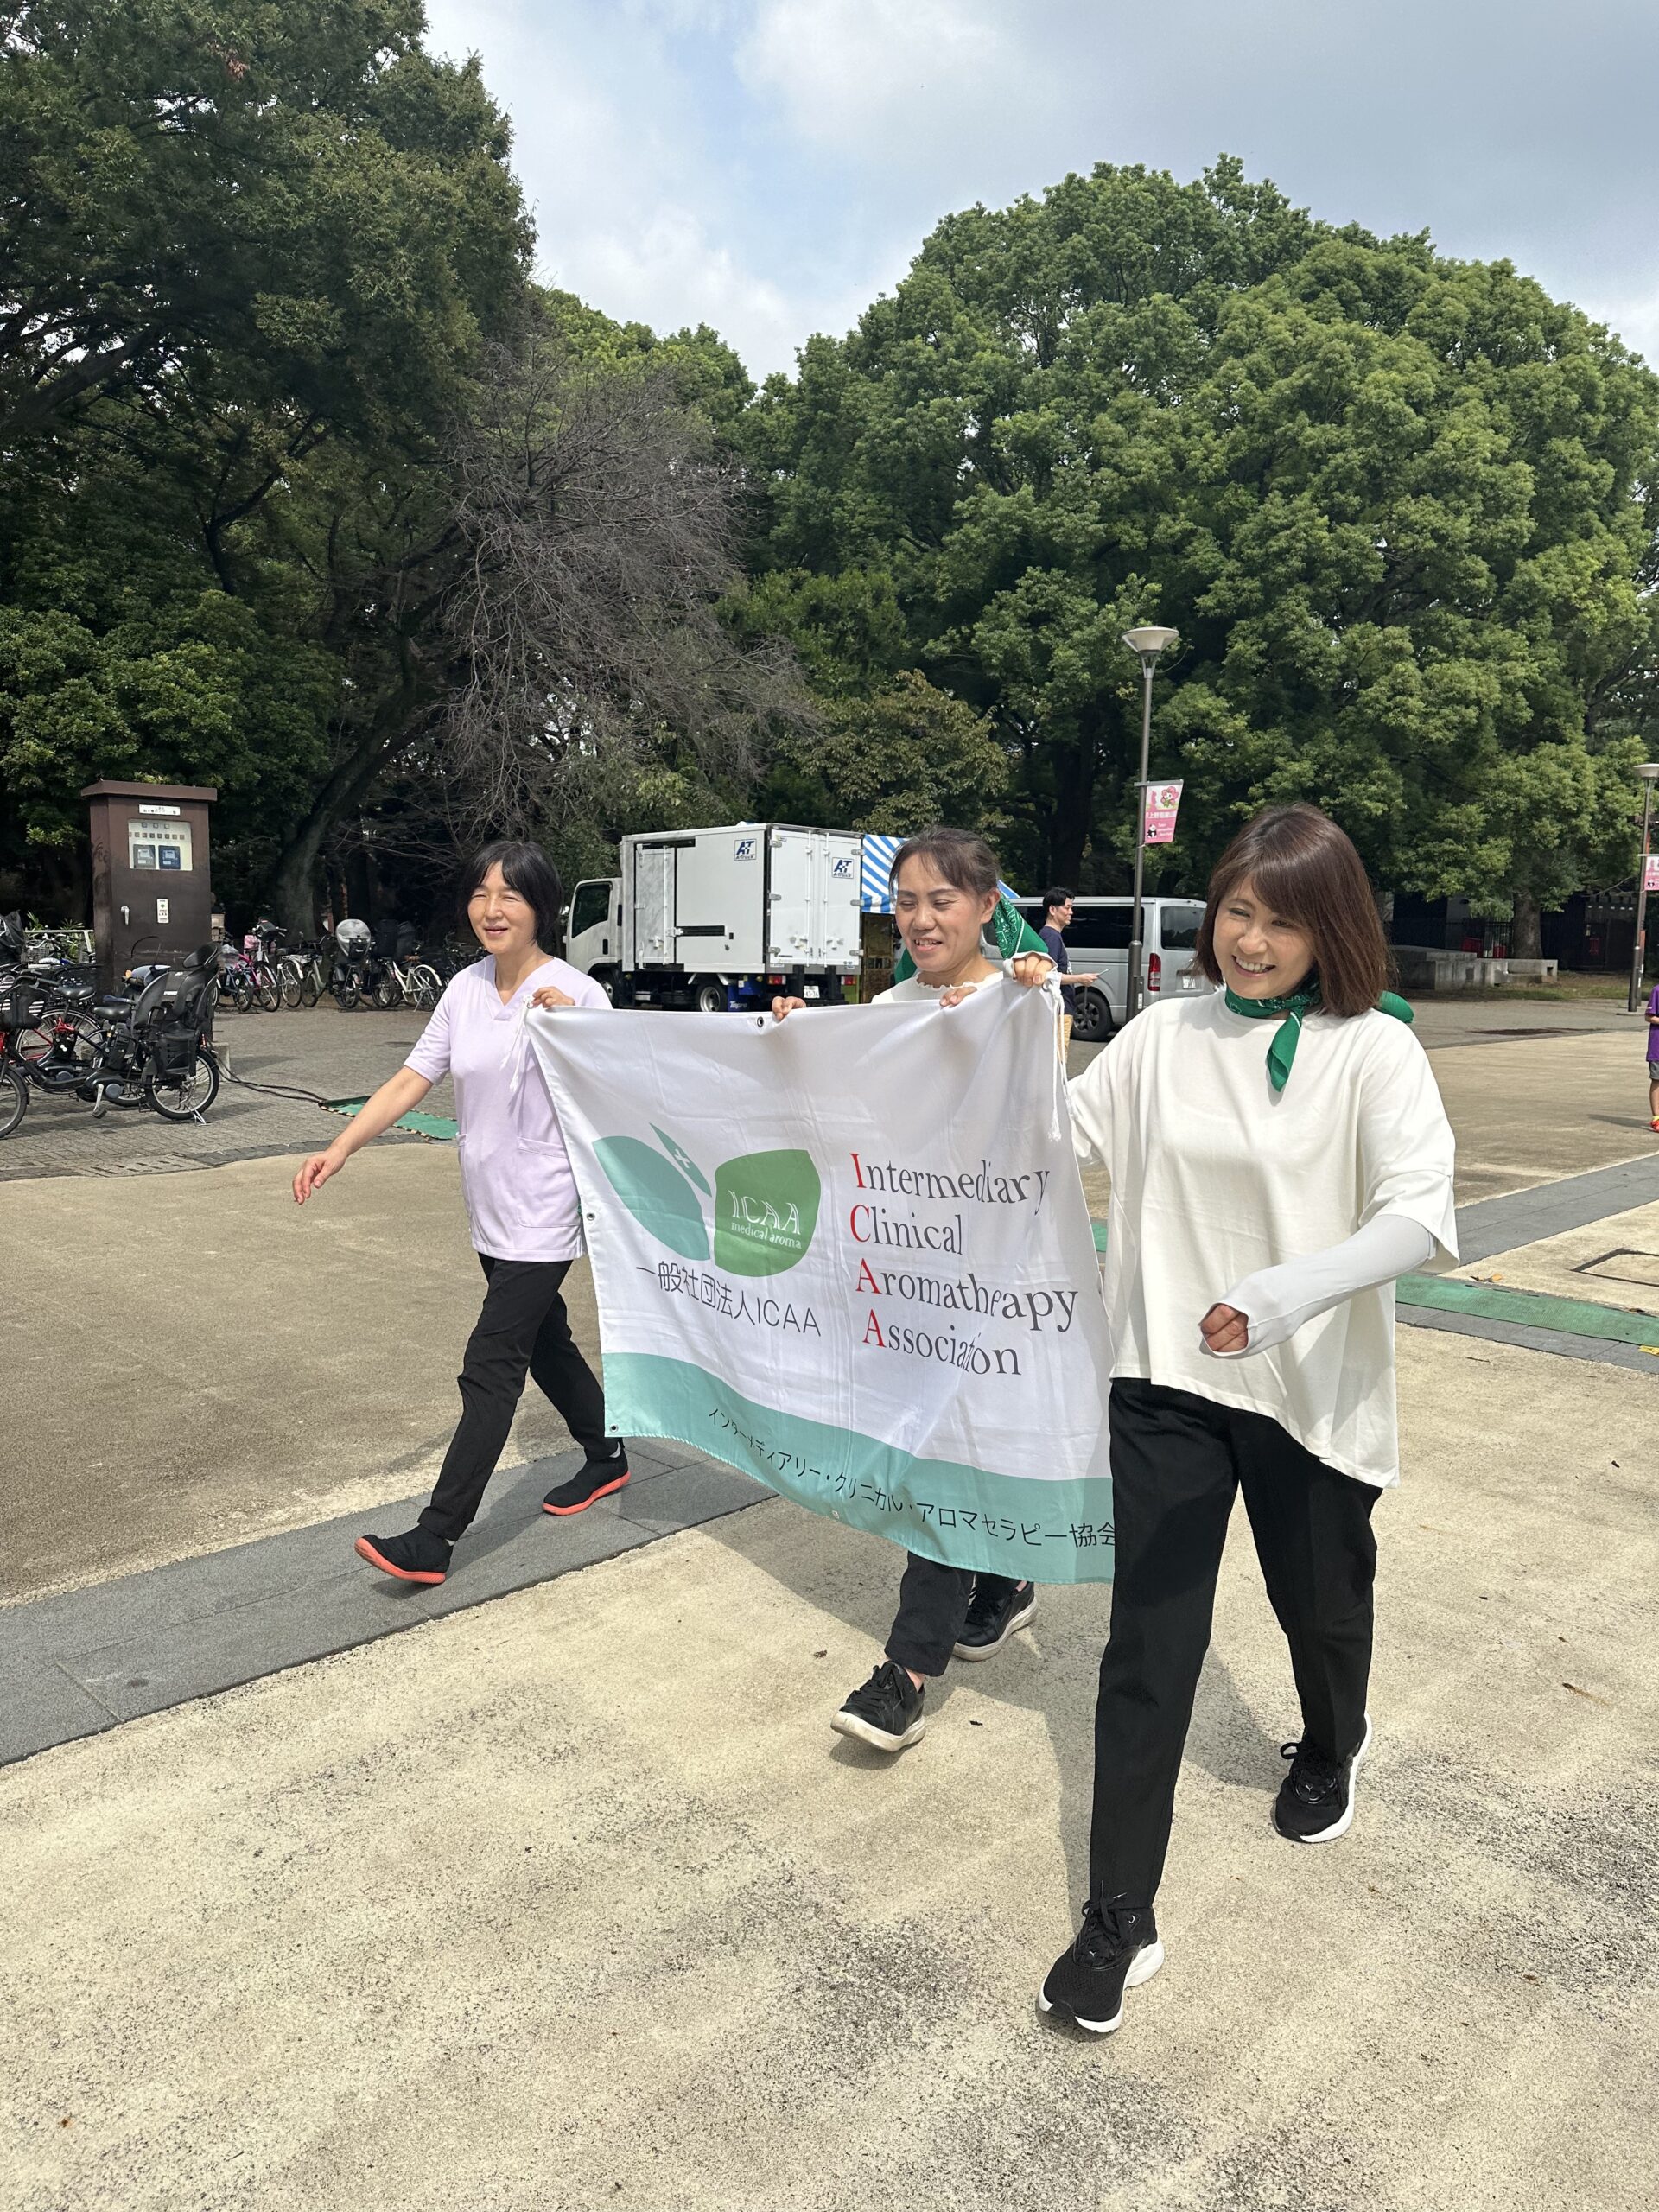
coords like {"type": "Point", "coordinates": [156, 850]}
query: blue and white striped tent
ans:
{"type": "Point", "coordinates": [876, 863]}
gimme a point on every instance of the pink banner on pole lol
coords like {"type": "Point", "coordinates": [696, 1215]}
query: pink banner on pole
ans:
{"type": "Point", "coordinates": [1163, 803]}
{"type": "Point", "coordinates": [1650, 872]}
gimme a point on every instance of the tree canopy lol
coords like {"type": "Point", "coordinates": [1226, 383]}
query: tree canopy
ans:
{"type": "Point", "coordinates": [1398, 508]}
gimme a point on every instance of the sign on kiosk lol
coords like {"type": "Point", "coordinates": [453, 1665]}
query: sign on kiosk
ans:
{"type": "Point", "coordinates": [1163, 803]}
{"type": "Point", "coordinates": [1650, 872]}
{"type": "Point", "coordinates": [158, 844]}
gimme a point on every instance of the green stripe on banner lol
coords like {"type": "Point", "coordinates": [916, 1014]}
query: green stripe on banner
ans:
{"type": "Point", "coordinates": [437, 1126]}
{"type": "Point", "coordinates": [1003, 1524]}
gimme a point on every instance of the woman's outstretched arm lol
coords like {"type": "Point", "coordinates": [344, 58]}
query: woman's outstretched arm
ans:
{"type": "Point", "coordinates": [394, 1099]}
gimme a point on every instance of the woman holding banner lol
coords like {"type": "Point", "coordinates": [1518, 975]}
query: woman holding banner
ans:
{"type": "Point", "coordinates": [1278, 1154]}
{"type": "Point", "coordinates": [947, 895]}
{"type": "Point", "coordinates": [521, 1200]}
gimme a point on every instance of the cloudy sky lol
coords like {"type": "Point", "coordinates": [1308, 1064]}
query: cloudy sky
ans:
{"type": "Point", "coordinates": [769, 166]}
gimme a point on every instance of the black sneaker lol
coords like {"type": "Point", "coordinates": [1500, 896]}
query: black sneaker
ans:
{"type": "Point", "coordinates": [1117, 1949]}
{"type": "Point", "coordinates": [997, 1612]}
{"type": "Point", "coordinates": [420, 1556]}
{"type": "Point", "coordinates": [1315, 1802]}
{"type": "Point", "coordinates": [886, 1712]}
{"type": "Point", "coordinates": [596, 1478]}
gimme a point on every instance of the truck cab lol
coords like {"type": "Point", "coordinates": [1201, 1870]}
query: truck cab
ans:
{"type": "Point", "coordinates": [592, 930]}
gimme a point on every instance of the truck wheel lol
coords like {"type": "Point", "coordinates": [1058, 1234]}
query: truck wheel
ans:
{"type": "Point", "coordinates": [1094, 1024]}
{"type": "Point", "coordinates": [605, 978]}
{"type": "Point", "coordinates": [708, 998]}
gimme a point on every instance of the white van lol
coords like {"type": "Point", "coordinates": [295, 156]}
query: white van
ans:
{"type": "Point", "coordinates": [1097, 938]}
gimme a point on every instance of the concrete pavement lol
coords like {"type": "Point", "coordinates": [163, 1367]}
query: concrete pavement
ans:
{"type": "Point", "coordinates": [575, 1901]}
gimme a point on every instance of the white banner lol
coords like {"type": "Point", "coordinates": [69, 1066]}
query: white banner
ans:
{"type": "Point", "coordinates": [848, 1253]}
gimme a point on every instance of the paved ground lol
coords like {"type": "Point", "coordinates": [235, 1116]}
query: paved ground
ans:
{"type": "Point", "coordinates": [570, 1899]}
{"type": "Point", "coordinates": [575, 1901]}
{"type": "Point", "coordinates": [336, 1055]}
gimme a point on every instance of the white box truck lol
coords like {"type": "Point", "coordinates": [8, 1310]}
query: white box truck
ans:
{"type": "Point", "coordinates": [721, 919]}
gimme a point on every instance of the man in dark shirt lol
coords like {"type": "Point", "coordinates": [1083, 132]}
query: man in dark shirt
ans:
{"type": "Point", "coordinates": [1058, 903]}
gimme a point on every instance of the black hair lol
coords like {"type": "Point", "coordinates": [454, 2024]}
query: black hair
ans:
{"type": "Point", "coordinates": [525, 869]}
{"type": "Point", "coordinates": [1055, 895]}
{"type": "Point", "coordinates": [961, 858]}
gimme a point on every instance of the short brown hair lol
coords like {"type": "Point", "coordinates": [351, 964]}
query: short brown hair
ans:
{"type": "Point", "coordinates": [1307, 869]}
{"type": "Point", "coordinates": [961, 858]}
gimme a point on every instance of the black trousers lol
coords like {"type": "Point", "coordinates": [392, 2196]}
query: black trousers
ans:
{"type": "Point", "coordinates": [523, 1330]}
{"type": "Point", "coordinates": [1177, 1461]}
{"type": "Point", "coordinates": [933, 1602]}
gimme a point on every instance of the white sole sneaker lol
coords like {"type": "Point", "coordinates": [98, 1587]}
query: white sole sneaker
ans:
{"type": "Point", "coordinates": [1146, 1963]}
{"type": "Point", "coordinates": [1338, 1828]}
{"type": "Point", "coordinates": [866, 1731]}
{"type": "Point", "coordinates": [1020, 1618]}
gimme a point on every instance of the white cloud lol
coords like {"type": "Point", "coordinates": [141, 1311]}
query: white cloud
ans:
{"type": "Point", "coordinates": [884, 79]}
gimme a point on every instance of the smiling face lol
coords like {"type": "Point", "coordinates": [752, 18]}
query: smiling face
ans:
{"type": "Point", "coordinates": [939, 924]}
{"type": "Point", "coordinates": [503, 920]}
{"type": "Point", "coordinates": [1262, 955]}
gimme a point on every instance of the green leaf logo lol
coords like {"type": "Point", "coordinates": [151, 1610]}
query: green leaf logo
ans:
{"type": "Point", "coordinates": [765, 1212]}
{"type": "Point", "coordinates": [766, 1203]}
{"type": "Point", "coordinates": [656, 1194]}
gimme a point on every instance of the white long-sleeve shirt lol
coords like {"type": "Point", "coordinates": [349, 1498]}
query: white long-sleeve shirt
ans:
{"type": "Point", "coordinates": [1218, 1180]}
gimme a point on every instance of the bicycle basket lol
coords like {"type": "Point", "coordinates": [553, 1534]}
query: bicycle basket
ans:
{"type": "Point", "coordinates": [23, 1006]}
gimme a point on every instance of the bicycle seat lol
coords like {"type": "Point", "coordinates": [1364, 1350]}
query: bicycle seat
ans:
{"type": "Point", "coordinates": [115, 1005]}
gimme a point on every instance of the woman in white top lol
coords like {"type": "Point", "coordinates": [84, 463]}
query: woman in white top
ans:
{"type": "Point", "coordinates": [946, 897]}
{"type": "Point", "coordinates": [1278, 1154]}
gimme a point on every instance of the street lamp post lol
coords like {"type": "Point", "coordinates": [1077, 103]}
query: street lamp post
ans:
{"type": "Point", "coordinates": [1649, 773]}
{"type": "Point", "coordinates": [1147, 642]}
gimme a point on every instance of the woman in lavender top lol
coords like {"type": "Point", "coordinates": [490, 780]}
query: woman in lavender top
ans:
{"type": "Point", "coordinates": [1653, 1056]}
{"type": "Point", "coordinates": [521, 1199]}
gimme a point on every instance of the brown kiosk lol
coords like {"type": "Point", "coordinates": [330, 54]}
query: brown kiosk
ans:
{"type": "Point", "coordinates": [152, 877]}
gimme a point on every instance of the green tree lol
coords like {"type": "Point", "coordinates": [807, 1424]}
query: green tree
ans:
{"type": "Point", "coordinates": [290, 196]}
{"type": "Point", "coordinates": [1393, 503]}
{"type": "Point", "coordinates": [250, 257]}
{"type": "Point", "coordinates": [906, 755]}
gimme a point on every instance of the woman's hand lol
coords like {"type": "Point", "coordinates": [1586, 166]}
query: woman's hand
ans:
{"type": "Point", "coordinates": [1032, 968]}
{"type": "Point", "coordinates": [955, 993]}
{"type": "Point", "coordinates": [314, 1173]}
{"type": "Point", "coordinates": [550, 995]}
{"type": "Point", "coordinates": [1224, 1328]}
{"type": "Point", "coordinates": [781, 1007]}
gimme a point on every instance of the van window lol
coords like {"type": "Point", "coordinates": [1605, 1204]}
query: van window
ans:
{"type": "Point", "coordinates": [1180, 928]}
{"type": "Point", "coordinates": [591, 906]}
{"type": "Point", "coordinates": [1100, 929]}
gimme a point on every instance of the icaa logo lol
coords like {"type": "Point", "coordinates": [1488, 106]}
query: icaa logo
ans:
{"type": "Point", "coordinates": [765, 1203]}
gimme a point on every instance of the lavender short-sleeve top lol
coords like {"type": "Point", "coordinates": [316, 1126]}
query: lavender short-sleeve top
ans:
{"type": "Point", "coordinates": [515, 1172]}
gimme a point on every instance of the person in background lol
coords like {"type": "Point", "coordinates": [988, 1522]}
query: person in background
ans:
{"type": "Point", "coordinates": [1058, 902]}
{"type": "Point", "coordinates": [1278, 1154]}
{"type": "Point", "coordinates": [520, 1197]}
{"type": "Point", "coordinates": [946, 898]}
{"type": "Point", "coordinates": [1653, 1057]}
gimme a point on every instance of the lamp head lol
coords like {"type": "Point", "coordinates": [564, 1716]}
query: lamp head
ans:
{"type": "Point", "coordinates": [1649, 771]}
{"type": "Point", "coordinates": [1149, 641]}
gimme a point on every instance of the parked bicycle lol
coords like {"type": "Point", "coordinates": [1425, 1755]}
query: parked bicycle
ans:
{"type": "Point", "coordinates": [149, 1049]}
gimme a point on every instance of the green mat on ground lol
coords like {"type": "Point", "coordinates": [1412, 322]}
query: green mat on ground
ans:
{"type": "Point", "coordinates": [437, 1127]}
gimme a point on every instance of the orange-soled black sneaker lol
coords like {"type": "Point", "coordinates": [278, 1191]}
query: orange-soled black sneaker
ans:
{"type": "Point", "coordinates": [420, 1556]}
{"type": "Point", "coordinates": [595, 1480]}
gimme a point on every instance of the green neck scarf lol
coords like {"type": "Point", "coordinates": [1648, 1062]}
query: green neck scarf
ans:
{"type": "Point", "coordinates": [1288, 1012]}
{"type": "Point", "coordinates": [1013, 933]}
